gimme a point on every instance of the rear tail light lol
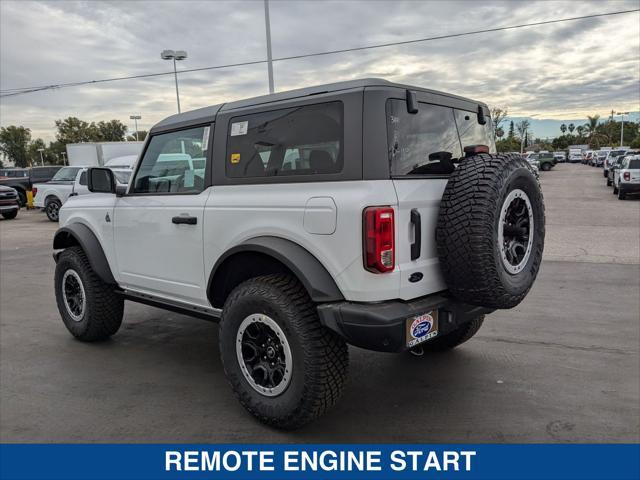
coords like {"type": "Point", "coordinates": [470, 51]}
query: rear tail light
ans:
{"type": "Point", "coordinates": [379, 232]}
{"type": "Point", "coordinates": [626, 176]}
{"type": "Point", "coordinates": [34, 190]}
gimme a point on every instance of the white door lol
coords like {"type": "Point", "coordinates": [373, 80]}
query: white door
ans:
{"type": "Point", "coordinates": [159, 223]}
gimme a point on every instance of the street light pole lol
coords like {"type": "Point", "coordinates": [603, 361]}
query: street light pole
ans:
{"type": "Point", "coordinates": [622, 114]}
{"type": "Point", "coordinates": [64, 158]}
{"type": "Point", "coordinates": [135, 118]}
{"type": "Point", "coordinates": [41, 158]}
{"type": "Point", "coordinates": [267, 23]}
{"type": "Point", "coordinates": [176, 55]}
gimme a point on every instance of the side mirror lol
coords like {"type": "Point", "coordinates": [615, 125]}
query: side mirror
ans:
{"type": "Point", "coordinates": [101, 180]}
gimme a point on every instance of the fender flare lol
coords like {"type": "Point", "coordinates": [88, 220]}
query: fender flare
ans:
{"type": "Point", "coordinates": [307, 268]}
{"type": "Point", "coordinates": [80, 234]}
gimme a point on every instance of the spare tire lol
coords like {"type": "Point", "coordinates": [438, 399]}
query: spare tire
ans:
{"type": "Point", "coordinates": [490, 232]}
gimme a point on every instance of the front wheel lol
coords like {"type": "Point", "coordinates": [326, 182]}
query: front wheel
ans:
{"type": "Point", "coordinates": [283, 365]}
{"type": "Point", "coordinates": [90, 308]}
{"type": "Point", "coordinates": [52, 209]}
{"type": "Point", "coordinates": [546, 167]}
{"type": "Point", "coordinates": [10, 215]}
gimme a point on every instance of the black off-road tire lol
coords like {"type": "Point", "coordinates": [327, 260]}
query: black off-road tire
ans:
{"type": "Point", "coordinates": [10, 215]}
{"type": "Point", "coordinates": [52, 209]}
{"type": "Point", "coordinates": [22, 198]}
{"type": "Point", "coordinates": [455, 338]}
{"type": "Point", "coordinates": [621, 194]}
{"type": "Point", "coordinates": [615, 190]}
{"type": "Point", "coordinates": [319, 356]}
{"type": "Point", "coordinates": [468, 226]}
{"type": "Point", "coordinates": [608, 182]}
{"type": "Point", "coordinates": [103, 309]}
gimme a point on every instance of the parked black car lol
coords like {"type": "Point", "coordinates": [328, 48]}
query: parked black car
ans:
{"type": "Point", "coordinates": [9, 204]}
{"type": "Point", "coordinates": [29, 176]}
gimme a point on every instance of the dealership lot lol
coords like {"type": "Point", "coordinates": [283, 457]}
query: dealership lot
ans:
{"type": "Point", "coordinates": [562, 366]}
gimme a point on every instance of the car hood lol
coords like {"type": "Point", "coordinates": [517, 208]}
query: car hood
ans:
{"type": "Point", "coordinates": [4, 189]}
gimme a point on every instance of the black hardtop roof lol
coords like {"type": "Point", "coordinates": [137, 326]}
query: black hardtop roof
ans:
{"type": "Point", "coordinates": [208, 114]}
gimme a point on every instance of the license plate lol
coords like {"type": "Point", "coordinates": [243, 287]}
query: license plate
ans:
{"type": "Point", "coordinates": [421, 328]}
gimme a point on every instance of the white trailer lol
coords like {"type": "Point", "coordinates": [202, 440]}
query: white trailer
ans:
{"type": "Point", "coordinates": [95, 154]}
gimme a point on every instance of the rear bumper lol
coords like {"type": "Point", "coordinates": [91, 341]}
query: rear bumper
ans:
{"type": "Point", "coordinates": [383, 326]}
{"type": "Point", "coordinates": [629, 187]}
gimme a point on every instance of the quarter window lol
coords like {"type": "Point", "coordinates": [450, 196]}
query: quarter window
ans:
{"type": "Point", "coordinates": [174, 163]}
{"type": "Point", "coordinates": [304, 140]}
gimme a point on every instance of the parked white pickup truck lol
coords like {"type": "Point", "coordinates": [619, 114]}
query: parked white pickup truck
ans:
{"type": "Point", "coordinates": [71, 181]}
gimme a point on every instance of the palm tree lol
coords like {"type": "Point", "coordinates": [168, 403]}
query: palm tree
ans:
{"type": "Point", "coordinates": [580, 130]}
{"type": "Point", "coordinates": [563, 128]}
{"type": "Point", "coordinates": [571, 127]}
{"type": "Point", "coordinates": [592, 130]}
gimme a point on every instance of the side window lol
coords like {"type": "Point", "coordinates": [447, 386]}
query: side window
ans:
{"type": "Point", "coordinates": [174, 163]}
{"type": "Point", "coordinates": [422, 143]}
{"type": "Point", "coordinates": [83, 178]}
{"type": "Point", "coordinates": [303, 140]}
{"type": "Point", "coordinates": [472, 133]}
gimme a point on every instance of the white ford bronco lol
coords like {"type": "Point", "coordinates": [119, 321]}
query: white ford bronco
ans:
{"type": "Point", "coordinates": [364, 213]}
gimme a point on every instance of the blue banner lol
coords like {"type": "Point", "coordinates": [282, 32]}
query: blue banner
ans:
{"type": "Point", "coordinates": [290, 462]}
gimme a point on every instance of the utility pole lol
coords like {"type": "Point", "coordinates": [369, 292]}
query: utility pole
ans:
{"type": "Point", "coordinates": [267, 24]}
{"type": "Point", "coordinates": [622, 114]}
{"type": "Point", "coordinates": [135, 119]}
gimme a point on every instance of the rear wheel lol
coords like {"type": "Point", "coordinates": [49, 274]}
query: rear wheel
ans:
{"type": "Point", "coordinates": [283, 365]}
{"type": "Point", "coordinates": [490, 232]}
{"type": "Point", "coordinates": [90, 308]}
{"type": "Point", "coordinates": [22, 198]}
{"type": "Point", "coordinates": [621, 194]}
{"type": "Point", "coordinates": [52, 209]}
{"type": "Point", "coordinates": [615, 190]}
{"type": "Point", "coordinates": [608, 182]}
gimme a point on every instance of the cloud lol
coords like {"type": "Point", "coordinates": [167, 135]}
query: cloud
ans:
{"type": "Point", "coordinates": [580, 68]}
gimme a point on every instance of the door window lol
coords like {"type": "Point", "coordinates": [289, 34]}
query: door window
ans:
{"type": "Point", "coordinates": [174, 163]}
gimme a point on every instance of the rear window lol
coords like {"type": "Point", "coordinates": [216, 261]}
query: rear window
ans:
{"type": "Point", "coordinates": [428, 142]}
{"type": "Point", "coordinates": [634, 164]}
{"type": "Point", "coordinates": [304, 140]}
{"type": "Point", "coordinates": [66, 174]}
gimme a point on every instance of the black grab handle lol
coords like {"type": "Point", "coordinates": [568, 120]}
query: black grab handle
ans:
{"type": "Point", "coordinates": [182, 219]}
{"type": "Point", "coordinates": [417, 231]}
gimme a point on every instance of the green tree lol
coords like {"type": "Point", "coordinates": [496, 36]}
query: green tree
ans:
{"type": "Point", "coordinates": [111, 131]}
{"type": "Point", "coordinates": [592, 131]}
{"type": "Point", "coordinates": [14, 143]}
{"type": "Point", "coordinates": [74, 130]}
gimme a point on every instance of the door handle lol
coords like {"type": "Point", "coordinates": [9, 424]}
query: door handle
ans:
{"type": "Point", "coordinates": [417, 233]}
{"type": "Point", "coordinates": [185, 220]}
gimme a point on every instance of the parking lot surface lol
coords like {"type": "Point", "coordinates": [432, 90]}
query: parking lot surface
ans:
{"type": "Point", "coordinates": [563, 366]}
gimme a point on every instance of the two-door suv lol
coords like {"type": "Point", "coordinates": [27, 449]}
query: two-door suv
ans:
{"type": "Point", "coordinates": [365, 213]}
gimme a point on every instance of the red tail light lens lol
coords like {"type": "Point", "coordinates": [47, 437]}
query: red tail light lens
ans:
{"type": "Point", "coordinates": [379, 232]}
{"type": "Point", "coordinates": [626, 176]}
{"type": "Point", "coordinates": [34, 190]}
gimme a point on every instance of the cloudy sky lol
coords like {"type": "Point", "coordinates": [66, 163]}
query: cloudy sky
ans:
{"type": "Point", "coordinates": [560, 72]}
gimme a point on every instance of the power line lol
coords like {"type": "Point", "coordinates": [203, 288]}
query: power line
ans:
{"type": "Point", "coordinates": [24, 90]}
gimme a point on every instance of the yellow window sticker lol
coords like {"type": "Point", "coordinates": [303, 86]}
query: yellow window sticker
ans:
{"type": "Point", "coordinates": [235, 158]}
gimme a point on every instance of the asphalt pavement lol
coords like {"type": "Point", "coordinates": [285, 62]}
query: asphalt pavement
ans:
{"type": "Point", "coordinates": [563, 366]}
